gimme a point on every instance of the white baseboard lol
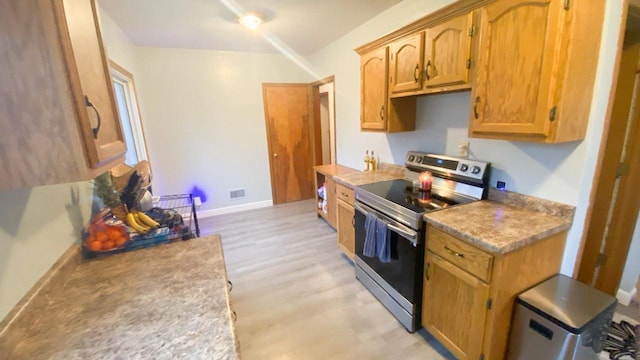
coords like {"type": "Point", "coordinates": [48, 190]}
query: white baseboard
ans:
{"type": "Point", "coordinates": [234, 209]}
{"type": "Point", "coordinates": [625, 297]}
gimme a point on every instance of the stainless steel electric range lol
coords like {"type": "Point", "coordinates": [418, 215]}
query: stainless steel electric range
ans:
{"type": "Point", "coordinates": [396, 279]}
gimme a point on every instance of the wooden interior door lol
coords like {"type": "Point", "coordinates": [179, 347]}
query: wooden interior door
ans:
{"type": "Point", "coordinates": [614, 208]}
{"type": "Point", "coordinates": [288, 112]}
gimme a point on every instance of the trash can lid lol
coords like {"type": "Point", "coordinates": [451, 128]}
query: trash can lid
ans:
{"type": "Point", "coordinates": [571, 303]}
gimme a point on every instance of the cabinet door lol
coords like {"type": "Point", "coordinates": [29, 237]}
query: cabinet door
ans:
{"type": "Point", "coordinates": [331, 201]}
{"type": "Point", "coordinates": [448, 53]}
{"type": "Point", "coordinates": [406, 63]}
{"type": "Point", "coordinates": [374, 68]}
{"type": "Point", "coordinates": [514, 86]}
{"type": "Point", "coordinates": [346, 231]}
{"type": "Point", "coordinates": [454, 307]}
{"type": "Point", "coordinates": [91, 83]}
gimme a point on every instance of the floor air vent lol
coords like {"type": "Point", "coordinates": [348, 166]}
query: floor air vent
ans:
{"type": "Point", "coordinates": [236, 194]}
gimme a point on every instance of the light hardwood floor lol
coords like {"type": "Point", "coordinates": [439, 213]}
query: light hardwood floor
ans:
{"type": "Point", "coordinates": [296, 295]}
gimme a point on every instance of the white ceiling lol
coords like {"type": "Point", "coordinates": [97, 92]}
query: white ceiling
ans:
{"type": "Point", "coordinates": [302, 25]}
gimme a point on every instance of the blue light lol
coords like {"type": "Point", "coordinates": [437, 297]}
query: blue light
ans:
{"type": "Point", "coordinates": [439, 161]}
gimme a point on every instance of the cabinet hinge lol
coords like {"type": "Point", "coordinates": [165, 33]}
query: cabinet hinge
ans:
{"type": "Point", "coordinates": [601, 260]}
{"type": "Point", "coordinates": [567, 4]}
{"type": "Point", "coordinates": [481, 356]}
{"type": "Point", "coordinates": [622, 169]}
{"type": "Point", "coordinates": [553, 113]}
{"type": "Point", "coordinates": [469, 63]}
{"type": "Point", "coordinates": [472, 30]}
{"type": "Point", "coordinates": [489, 302]}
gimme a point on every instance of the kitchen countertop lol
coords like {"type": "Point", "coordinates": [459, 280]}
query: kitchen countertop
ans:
{"type": "Point", "coordinates": [334, 169]}
{"type": "Point", "coordinates": [505, 222]}
{"type": "Point", "coordinates": [164, 302]}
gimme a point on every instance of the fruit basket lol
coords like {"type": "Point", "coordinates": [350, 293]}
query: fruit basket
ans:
{"type": "Point", "coordinates": [133, 219]}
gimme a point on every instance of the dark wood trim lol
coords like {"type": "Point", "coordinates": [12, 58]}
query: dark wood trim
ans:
{"type": "Point", "coordinates": [458, 8]}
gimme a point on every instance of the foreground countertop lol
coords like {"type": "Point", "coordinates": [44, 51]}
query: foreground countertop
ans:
{"type": "Point", "coordinates": [504, 223]}
{"type": "Point", "coordinates": [165, 302]}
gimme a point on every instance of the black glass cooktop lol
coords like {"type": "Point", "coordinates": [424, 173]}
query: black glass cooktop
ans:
{"type": "Point", "coordinates": [402, 193]}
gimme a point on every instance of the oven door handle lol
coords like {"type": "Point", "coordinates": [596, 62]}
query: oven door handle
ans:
{"type": "Point", "coordinates": [402, 230]}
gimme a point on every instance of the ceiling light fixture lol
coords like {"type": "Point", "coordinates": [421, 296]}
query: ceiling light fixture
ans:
{"type": "Point", "coordinates": [251, 20]}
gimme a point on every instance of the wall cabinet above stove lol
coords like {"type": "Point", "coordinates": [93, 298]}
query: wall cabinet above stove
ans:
{"type": "Point", "coordinates": [530, 65]}
{"type": "Point", "coordinates": [58, 118]}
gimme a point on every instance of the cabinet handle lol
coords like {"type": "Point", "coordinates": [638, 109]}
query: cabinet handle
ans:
{"type": "Point", "coordinates": [97, 128]}
{"type": "Point", "coordinates": [426, 70]}
{"type": "Point", "coordinates": [353, 221]}
{"type": "Point", "coordinates": [234, 315]}
{"type": "Point", "coordinates": [230, 285]}
{"type": "Point", "coordinates": [416, 72]}
{"type": "Point", "coordinates": [426, 271]}
{"type": "Point", "coordinates": [475, 107]}
{"type": "Point", "coordinates": [454, 253]}
{"type": "Point", "coordinates": [382, 112]}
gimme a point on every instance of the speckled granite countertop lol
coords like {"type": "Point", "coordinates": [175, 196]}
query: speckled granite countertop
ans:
{"type": "Point", "coordinates": [505, 222]}
{"type": "Point", "coordinates": [386, 172]}
{"type": "Point", "coordinates": [165, 302]}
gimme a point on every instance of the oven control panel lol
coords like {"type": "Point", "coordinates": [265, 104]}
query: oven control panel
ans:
{"type": "Point", "coordinates": [474, 169]}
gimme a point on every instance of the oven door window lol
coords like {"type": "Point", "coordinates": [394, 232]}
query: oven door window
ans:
{"type": "Point", "coordinates": [406, 261]}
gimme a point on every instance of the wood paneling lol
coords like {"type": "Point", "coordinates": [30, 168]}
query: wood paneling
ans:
{"type": "Point", "coordinates": [289, 137]}
{"type": "Point", "coordinates": [406, 63]}
{"type": "Point", "coordinates": [454, 307]}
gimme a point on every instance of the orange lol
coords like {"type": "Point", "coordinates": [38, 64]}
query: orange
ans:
{"type": "Point", "coordinates": [120, 240]}
{"type": "Point", "coordinates": [113, 234]}
{"type": "Point", "coordinates": [94, 245]}
{"type": "Point", "coordinates": [102, 237]}
{"type": "Point", "coordinates": [108, 245]}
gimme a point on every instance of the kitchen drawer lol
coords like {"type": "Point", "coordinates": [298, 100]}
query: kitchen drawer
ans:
{"type": "Point", "coordinates": [459, 253]}
{"type": "Point", "coordinates": [345, 194]}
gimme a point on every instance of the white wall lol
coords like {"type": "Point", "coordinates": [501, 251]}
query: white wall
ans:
{"type": "Point", "coordinates": [118, 46]}
{"type": "Point", "coordinates": [36, 227]}
{"type": "Point", "coordinates": [203, 116]}
{"type": "Point", "coordinates": [561, 172]}
{"type": "Point", "coordinates": [632, 266]}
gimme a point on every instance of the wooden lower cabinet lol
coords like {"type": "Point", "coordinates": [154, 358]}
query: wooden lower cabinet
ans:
{"type": "Point", "coordinates": [346, 213]}
{"type": "Point", "coordinates": [469, 316]}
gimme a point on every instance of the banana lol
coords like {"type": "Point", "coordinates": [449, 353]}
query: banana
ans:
{"type": "Point", "coordinates": [140, 222]}
{"type": "Point", "coordinates": [146, 220]}
{"type": "Point", "coordinates": [131, 221]}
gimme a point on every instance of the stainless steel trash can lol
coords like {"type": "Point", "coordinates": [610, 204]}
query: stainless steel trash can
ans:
{"type": "Point", "coordinates": [560, 318]}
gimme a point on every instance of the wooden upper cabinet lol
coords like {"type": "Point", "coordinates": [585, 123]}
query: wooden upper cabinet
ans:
{"type": "Point", "coordinates": [374, 67]}
{"type": "Point", "coordinates": [535, 70]}
{"type": "Point", "coordinates": [52, 56]}
{"type": "Point", "coordinates": [406, 63]}
{"type": "Point", "coordinates": [93, 93]}
{"type": "Point", "coordinates": [447, 54]}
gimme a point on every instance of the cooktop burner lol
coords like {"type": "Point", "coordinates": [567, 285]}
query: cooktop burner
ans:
{"type": "Point", "coordinates": [402, 192]}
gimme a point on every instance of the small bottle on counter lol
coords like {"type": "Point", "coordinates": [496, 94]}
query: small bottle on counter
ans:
{"type": "Point", "coordinates": [373, 162]}
{"type": "Point", "coordinates": [367, 161]}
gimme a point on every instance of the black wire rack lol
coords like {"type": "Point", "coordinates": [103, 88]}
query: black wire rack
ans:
{"type": "Point", "coordinates": [184, 205]}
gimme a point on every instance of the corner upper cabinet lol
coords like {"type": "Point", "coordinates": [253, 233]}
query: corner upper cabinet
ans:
{"type": "Point", "coordinates": [406, 63]}
{"type": "Point", "coordinates": [57, 95]}
{"type": "Point", "coordinates": [378, 112]}
{"type": "Point", "coordinates": [535, 70]}
{"type": "Point", "coordinates": [447, 55]}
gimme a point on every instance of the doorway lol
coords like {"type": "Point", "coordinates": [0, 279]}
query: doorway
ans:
{"type": "Point", "coordinates": [613, 211]}
{"type": "Point", "coordinates": [325, 123]}
{"type": "Point", "coordinates": [289, 122]}
{"type": "Point", "coordinates": [127, 104]}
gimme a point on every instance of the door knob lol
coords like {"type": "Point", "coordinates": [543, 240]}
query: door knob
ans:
{"type": "Point", "coordinates": [275, 155]}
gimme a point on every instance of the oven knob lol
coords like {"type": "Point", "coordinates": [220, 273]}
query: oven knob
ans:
{"type": "Point", "coordinates": [475, 170]}
{"type": "Point", "coordinates": [411, 157]}
{"type": "Point", "coordinates": [418, 159]}
{"type": "Point", "coordinates": [464, 167]}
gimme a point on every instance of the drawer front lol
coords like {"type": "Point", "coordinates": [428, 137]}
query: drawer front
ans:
{"type": "Point", "coordinates": [459, 253]}
{"type": "Point", "coordinates": [345, 194]}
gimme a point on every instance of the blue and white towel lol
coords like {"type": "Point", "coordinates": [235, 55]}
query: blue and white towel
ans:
{"type": "Point", "coordinates": [376, 241]}
{"type": "Point", "coordinates": [370, 237]}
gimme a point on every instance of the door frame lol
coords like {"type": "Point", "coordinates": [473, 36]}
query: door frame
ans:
{"type": "Point", "coordinates": [601, 192]}
{"type": "Point", "coordinates": [326, 85]}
